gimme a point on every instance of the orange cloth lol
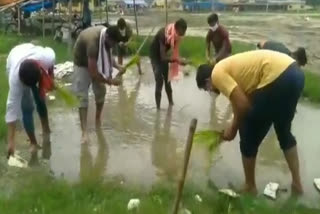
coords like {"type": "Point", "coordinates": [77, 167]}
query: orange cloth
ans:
{"type": "Point", "coordinates": [173, 39]}
{"type": "Point", "coordinates": [46, 82]}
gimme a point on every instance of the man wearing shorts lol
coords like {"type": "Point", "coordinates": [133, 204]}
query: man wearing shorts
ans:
{"type": "Point", "coordinates": [264, 88]}
{"type": "Point", "coordinates": [86, 53]}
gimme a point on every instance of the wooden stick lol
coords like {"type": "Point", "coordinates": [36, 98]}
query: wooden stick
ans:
{"type": "Point", "coordinates": [43, 27]}
{"type": "Point", "coordinates": [166, 10]}
{"type": "Point", "coordinates": [135, 16]}
{"type": "Point", "coordinates": [192, 129]}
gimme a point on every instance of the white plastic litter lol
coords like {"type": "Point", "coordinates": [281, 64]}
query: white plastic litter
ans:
{"type": "Point", "coordinates": [133, 204]}
{"type": "Point", "coordinates": [271, 190]}
{"type": "Point", "coordinates": [51, 97]}
{"type": "Point", "coordinates": [198, 198]}
{"type": "Point", "coordinates": [17, 161]}
{"type": "Point", "coordinates": [63, 69]}
{"type": "Point", "coordinates": [317, 183]}
{"type": "Point", "coordinates": [67, 84]}
{"type": "Point", "coordinates": [229, 192]}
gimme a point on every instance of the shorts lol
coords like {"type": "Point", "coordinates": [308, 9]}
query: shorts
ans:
{"type": "Point", "coordinates": [81, 83]}
{"type": "Point", "coordinates": [273, 104]}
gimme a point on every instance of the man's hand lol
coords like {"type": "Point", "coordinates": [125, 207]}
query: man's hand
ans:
{"type": "Point", "coordinates": [116, 81]}
{"type": "Point", "coordinates": [121, 70]}
{"type": "Point", "coordinates": [229, 134]}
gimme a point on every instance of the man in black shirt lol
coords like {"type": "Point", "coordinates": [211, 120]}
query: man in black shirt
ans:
{"type": "Point", "coordinates": [160, 60]}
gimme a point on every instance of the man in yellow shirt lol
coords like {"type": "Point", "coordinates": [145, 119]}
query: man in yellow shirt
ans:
{"type": "Point", "coordinates": [264, 88]}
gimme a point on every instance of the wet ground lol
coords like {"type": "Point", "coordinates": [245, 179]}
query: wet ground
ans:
{"type": "Point", "coordinates": [293, 29]}
{"type": "Point", "coordinates": [139, 146]}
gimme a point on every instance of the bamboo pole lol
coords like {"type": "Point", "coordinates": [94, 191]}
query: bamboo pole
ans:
{"type": "Point", "coordinates": [43, 30]}
{"type": "Point", "coordinates": [192, 129]}
{"type": "Point", "coordinates": [53, 17]}
{"type": "Point", "coordinates": [166, 10]}
{"type": "Point", "coordinates": [100, 12]}
{"type": "Point", "coordinates": [19, 20]}
{"type": "Point", "coordinates": [59, 14]}
{"type": "Point", "coordinates": [70, 19]}
{"type": "Point", "coordinates": [107, 13]}
{"type": "Point", "coordinates": [135, 16]}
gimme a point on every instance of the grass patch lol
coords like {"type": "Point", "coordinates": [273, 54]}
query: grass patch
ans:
{"type": "Point", "coordinates": [312, 87]}
{"type": "Point", "coordinates": [9, 41]}
{"type": "Point", "coordinates": [3, 95]}
{"type": "Point", "coordinates": [192, 48]}
{"type": "Point", "coordinates": [37, 193]}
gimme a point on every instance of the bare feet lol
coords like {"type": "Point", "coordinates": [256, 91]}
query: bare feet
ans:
{"type": "Point", "coordinates": [34, 148]}
{"type": "Point", "coordinates": [296, 189]}
{"type": "Point", "coordinates": [249, 189]}
{"type": "Point", "coordinates": [46, 146]}
{"type": "Point", "coordinates": [85, 138]}
{"type": "Point", "coordinates": [98, 124]}
{"type": "Point", "coordinates": [10, 151]}
{"type": "Point", "coordinates": [34, 161]}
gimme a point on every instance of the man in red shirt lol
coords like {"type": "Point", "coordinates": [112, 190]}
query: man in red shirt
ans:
{"type": "Point", "coordinates": [218, 38]}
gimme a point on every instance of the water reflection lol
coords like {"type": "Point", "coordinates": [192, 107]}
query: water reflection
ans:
{"type": "Point", "coordinates": [90, 169]}
{"type": "Point", "coordinates": [127, 104]}
{"type": "Point", "coordinates": [164, 148]}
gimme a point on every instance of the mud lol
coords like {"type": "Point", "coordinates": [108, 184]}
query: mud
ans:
{"type": "Point", "coordinates": [139, 146]}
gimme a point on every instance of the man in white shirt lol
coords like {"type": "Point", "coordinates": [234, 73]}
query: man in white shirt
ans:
{"type": "Point", "coordinates": [30, 71]}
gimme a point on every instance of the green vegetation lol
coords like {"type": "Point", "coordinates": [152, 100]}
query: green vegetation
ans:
{"type": "Point", "coordinates": [192, 48]}
{"type": "Point", "coordinates": [38, 193]}
{"type": "Point", "coordinates": [33, 192]}
{"type": "Point", "coordinates": [3, 96]}
{"type": "Point", "coordinates": [313, 2]}
{"type": "Point", "coordinates": [312, 87]}
{"type": "Point", "coordinates": [66, 95]}
{"type": "Point", "coordinates": [209, 138]}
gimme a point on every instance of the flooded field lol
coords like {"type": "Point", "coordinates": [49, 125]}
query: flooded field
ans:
{"type": "Point", "coordinates": [294, 30]}
{"type": "Point", "coordinates": [139, 146]}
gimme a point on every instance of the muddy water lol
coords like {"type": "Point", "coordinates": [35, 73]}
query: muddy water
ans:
{"type": "Point", "coordinates": [294, 30]}
{"type": "Point", "coordinates": [139, 146]}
